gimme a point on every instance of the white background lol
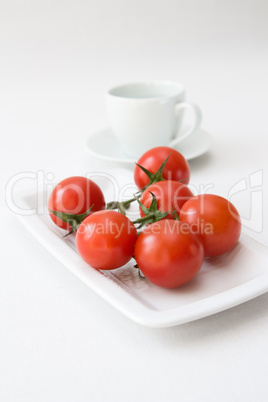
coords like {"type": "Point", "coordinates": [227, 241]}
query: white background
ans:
{"type": "Point", "coordinates": [58, 340]}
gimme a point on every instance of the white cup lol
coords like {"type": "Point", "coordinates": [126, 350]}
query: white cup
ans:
{"type": "Point", "coordinates": [144, 115]}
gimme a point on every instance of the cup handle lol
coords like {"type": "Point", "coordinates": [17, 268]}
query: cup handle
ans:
{"type": "Point", "coordinates": [179, 107]}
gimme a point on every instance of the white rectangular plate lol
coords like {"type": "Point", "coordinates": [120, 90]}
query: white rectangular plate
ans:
{"type": "Point", "coordinates": [222, 283]}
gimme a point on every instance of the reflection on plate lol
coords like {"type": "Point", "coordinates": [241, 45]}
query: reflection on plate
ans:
{"type": "Point", "coordinates": [102, 143]}
{"type": "Point", "coordinates": [222, 282]}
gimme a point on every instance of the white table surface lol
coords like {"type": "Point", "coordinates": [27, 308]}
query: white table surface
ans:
{"type": "Point", "coordinates": [59, 341]}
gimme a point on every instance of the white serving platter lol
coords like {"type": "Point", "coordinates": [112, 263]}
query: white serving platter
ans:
{"type": "Point", "coordinates": [222, 283]}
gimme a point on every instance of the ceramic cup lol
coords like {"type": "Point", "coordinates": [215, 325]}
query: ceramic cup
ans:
{"type": "Point", "coordinates": [144, 115]}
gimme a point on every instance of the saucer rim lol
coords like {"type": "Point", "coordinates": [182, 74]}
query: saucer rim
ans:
{"type": "Point", "coordinates": [130, 160]}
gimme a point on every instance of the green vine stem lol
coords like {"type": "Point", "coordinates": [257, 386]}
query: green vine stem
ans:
{"type": "Point", "coordinates": [153, 178]}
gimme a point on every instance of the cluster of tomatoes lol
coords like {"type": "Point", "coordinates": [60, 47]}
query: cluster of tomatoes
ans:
{"type": "Point", "coordinates": [175, 232]}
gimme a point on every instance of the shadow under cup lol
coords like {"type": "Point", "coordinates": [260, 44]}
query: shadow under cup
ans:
{"type": "Point", "coordinates": [142, 115]}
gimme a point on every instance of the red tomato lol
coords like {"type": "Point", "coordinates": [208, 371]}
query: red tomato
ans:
{"type": "Point", "coordinates": [106, 239]}
{"type": "Point", "coordinates": [215, 219]}
{"type": "Point", "coordinates": [168, 254]}
{"type": "Point", "coordinates": [177, 167]}
{"type": "Point", "coordinates": [75, 195]}
{"type": "Point", "coordinates": [167, 192]}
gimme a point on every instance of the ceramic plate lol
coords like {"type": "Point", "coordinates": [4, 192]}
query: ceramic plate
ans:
{"type": "Point", "coordinates": [222, 282]}
{"type": "Point", "coordinates": [103, 144]}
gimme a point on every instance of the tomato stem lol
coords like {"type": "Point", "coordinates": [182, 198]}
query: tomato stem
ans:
{"type": "Point", "coordinates": [153, 178]}
{"type": "Point", "coordinates": [144, 218]}
{"type": "Point", "coordinates": [74, 220]}
{"type": "Point", "coordinates": [152, 214]}
{"type": "Point", "coordinates": [141, 275]}
{"type": "Point", "coordinates": [121, 206]}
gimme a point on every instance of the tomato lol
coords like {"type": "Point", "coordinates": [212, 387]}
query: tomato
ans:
{"type": "Point", "coordinates": [215, 219]}
{"type": "Point", "coordinates": [168, 254]}
{"type": "Point", "coordinates": [75, 195]}
{"type": "Point", "coordinates": [106, 239]}
{"type": "Point", "coordinates": [177, 168]}
{"type": "Point", "coordinates": [169, 194]}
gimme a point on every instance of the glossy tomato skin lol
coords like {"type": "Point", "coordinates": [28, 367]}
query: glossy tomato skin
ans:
{"type": "Point", "coordinates": [215, 219]}
{"type": "Point", "coordinates": [75, 195]}
{"type": "Point", "coordinates": [169, 193]}
{"type": "Point", "coordinates": [106, 240]}
{"type": "Point", "coordinates": [168, 254]}
{"type": "Point", "coordinates": [177, 167]}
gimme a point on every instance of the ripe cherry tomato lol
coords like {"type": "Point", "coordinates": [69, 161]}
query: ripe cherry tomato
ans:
{"type": "Point", "coordinates": [177, 167]}
{"type": "Point", "coordinates": [170, 195]}
{"type": "Point", "coordinates": [168, 254]}
{"type": "Point", "coordinates": [75, 195]}
{"type": "Point", "coordinates": [106, 239]}
{"type": "Point", "coordinates": [215, 219]}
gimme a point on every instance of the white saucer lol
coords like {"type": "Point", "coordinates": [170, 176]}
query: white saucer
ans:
{"type": "Point", "coordinates": [103, 144]}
